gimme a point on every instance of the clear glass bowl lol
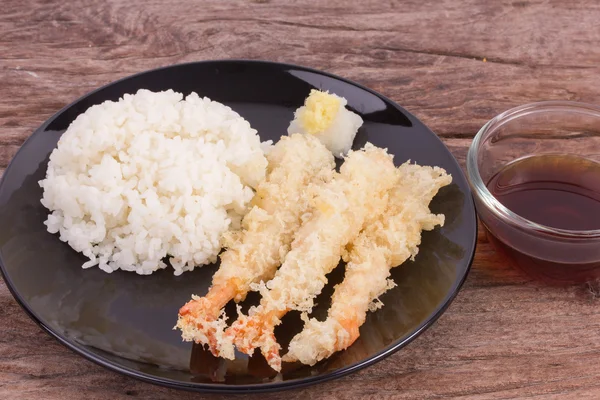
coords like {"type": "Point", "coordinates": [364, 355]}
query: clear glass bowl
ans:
{"type": "Point", "coordinates": [544, 128]}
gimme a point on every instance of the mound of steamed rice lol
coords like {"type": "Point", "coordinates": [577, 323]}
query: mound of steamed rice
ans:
{"type": "Point", "coordinates": [152, 176]}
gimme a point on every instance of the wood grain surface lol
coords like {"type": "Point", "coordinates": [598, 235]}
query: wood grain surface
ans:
{"type": "Point", "coordinates": [453, 63]}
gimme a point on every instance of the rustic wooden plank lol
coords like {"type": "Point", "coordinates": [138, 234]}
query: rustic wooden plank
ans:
{"type": "Point", "coordinates": [454, 64]}
{"type": "Point", "coordinates": [386, 50]}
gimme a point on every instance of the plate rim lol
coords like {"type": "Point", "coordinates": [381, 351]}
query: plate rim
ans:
{"type": "Point", "coordinates": [256, 387]}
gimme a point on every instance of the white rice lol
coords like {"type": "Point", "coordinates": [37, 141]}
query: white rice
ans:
{"type": "Point", "coordinates": [152, 176]}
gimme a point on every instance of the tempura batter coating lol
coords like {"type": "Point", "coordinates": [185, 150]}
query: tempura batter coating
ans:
{"type": "Point", "coordinates": [341, 207]}
{"type": "Point", "coordinates": [254, 253]}
{"type": "Point", "coordinates": [386, 243]}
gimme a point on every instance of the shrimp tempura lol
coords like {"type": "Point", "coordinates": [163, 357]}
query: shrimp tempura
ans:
{"type": "Point", "coordinates": [253, 254]}
{"type": "Point", "coordinates": [341, 208]}
{"type": "Point", "coordinates": [388, 242]}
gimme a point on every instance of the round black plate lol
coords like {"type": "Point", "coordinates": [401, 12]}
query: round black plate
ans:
{"type": "Point", "coordinates": [124, 321]}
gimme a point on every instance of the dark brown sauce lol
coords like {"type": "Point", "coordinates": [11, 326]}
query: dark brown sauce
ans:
{"type": "Point", "coordinates": [556, 191]}
{"type": "Point", "coordinates": [552, 190]}
{"type": "Point", "coordinates": [551, 272]}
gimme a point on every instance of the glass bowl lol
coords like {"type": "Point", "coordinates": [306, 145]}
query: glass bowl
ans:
{"type": "Point", "coordinates": [560, 128]}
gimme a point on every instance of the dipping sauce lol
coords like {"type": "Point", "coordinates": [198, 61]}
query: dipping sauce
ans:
{"type": "Point", "coordinates": [558, 191]}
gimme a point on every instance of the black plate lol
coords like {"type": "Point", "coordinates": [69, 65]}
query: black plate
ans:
{"type": "Point", "coordinates": [124, 321]}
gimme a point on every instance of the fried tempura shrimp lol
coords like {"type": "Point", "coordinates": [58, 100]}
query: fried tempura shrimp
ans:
{"type": "Point", "coordinates": [340, 210]}
{"type": "Point", "coordinates": [384, 244]}
{"type": "Point", "coordinates": [254, 253]}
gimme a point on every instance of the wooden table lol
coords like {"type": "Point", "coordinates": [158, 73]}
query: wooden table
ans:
{"type": "Point", "coordinates": [453, 63]}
